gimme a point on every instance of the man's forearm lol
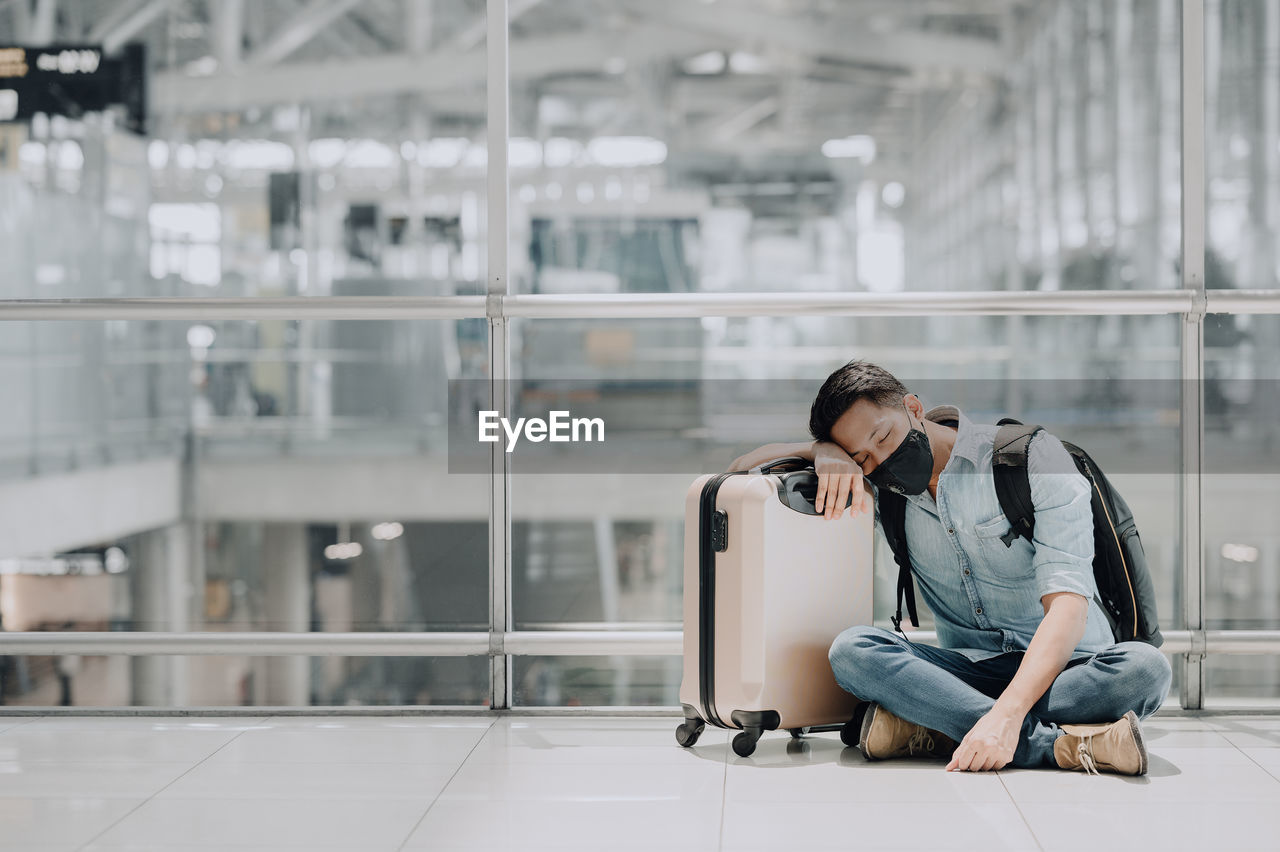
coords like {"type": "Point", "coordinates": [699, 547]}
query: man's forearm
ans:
{"type": "Point", "coordinates": [1050, 649]}
{"type": "Point", "coordinates": [769, 452]}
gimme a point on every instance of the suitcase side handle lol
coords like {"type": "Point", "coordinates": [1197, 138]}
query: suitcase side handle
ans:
{"type": "Point", "coordinates": [799, 490]}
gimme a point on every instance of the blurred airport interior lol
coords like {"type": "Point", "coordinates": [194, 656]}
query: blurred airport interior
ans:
{"type": "Point", "coordinates": [182, 474]}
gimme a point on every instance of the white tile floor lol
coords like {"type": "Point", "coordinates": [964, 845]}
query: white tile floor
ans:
{"type": "Point", "coordinates": [451, 784]}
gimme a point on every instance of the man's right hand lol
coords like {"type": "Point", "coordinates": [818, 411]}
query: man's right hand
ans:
{"type": "Point", "coordinates": [838, 477]}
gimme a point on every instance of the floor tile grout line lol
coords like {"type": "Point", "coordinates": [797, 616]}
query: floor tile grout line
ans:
{"type": "Point", "coordinates": [1251, 759]}
{"type": "Point", "coordinates": [446, 784]}
{"type": "Point", "coordinates": [1018, 808]}
{"type": "Point", "coordinates": [26, 721]}
{"type": "Point", "coordinates": [194, 766]}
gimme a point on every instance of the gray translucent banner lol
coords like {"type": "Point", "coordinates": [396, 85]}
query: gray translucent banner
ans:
{"type": "Point", "coordinates": [693, 426]}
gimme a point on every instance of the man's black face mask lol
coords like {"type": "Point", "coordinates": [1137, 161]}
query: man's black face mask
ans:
{"type": "Point", "coordinates": [908, 469]}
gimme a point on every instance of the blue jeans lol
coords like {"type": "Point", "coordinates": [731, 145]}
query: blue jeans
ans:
{"type": "Point", "coordinates": [945, 691]}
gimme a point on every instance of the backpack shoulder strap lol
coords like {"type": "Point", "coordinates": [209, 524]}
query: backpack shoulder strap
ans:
{"type": "Point", "coordinates": [893, 520]}
{"type": "Point", "coordinates": [1013, 488]}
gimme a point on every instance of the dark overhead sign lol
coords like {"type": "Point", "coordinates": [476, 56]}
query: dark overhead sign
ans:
{"type": "Point", "coordinates": [72, 79]}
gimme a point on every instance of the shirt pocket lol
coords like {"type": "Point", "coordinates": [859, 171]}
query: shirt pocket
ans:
{"type": "Point", "coordinates": [1010, 562]}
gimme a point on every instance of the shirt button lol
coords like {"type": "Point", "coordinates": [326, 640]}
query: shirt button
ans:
{"type": "Point", "coordinates": [978, 610]}
{"type": "Point", "coordinates": [951, 531]}
{"type": "Point", "coordinates": [966, 572]}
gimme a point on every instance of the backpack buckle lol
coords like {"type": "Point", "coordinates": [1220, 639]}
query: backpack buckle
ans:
{"type": "Point", "coordinates": [1013, 532]}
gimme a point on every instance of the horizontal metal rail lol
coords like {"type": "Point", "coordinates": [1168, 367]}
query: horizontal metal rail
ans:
{"type": "Point", "coordinates": [136, 644]}
{"type": "Point", "coordinates": [551, 643]}
{"type": "Point", "coordinates": [323, 307]}
{"type": "Point", "coordinates": [652, 305]}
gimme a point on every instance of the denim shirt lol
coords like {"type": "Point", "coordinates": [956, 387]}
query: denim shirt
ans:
{"type": "Point", "coordinates": [985, 596]}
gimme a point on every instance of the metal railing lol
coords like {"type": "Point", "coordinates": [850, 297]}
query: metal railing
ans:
{"type": "Point", "coordinates": [499, 306]}
{"type": "Point", "coordinates": [536, 643]}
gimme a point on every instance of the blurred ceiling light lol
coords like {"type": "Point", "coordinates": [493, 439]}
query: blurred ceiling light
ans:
{"type": "Point", "coordinates": [387, 531]}
{"type": "Point", "coordinates": [477, 156]}
{"type": "Point", "coordinates": [50, 274]}
{"type": "Point", "coordinates": [343, 550]}
{"type": "Point", "coordinates": [528, 194]}
{"type": "Point", "coordinates": [442, 153]}
{"type": "Point", "coordinates": [258, 155]}
{"type": "Point", "coordinates": [200, 222]}
{"type": "Point", "coordinates": [524, 153]}
{"type": "Point", "coordinates": [554, 191]}
{"type": "Point", "coordinates": [158, 154]}
{"type": "Point", "coordinates": [623, 151]}
{"type": "Point", "coordinates": [1239, 553]}
{"type": "Point", "coordinates": [409, 149]}
{"type": "Point", "coordinates": [586, 193]}
{"type": "Point", "coordinates": [70, 157]}
{"type": "Point", "coordinates": [185, 156]}
{"type": "Point", "coordinates": [711, 62]}
{"type": "Point", "coordinates": [32, 154]}
{"type": "Point", "coordinates": [369, 154]}
{"type": "Point", "coordinates": [205, 66]}
{"type": "Point", "coordinates": [286, 119]}
{"type": "Point", "coordinates": [613, 188]}
{"type": "Point", "coordinates": [741, 62]}
{"type": "Point", "coordinates": [8, 104]}
{"type": "Point", "coordinates": [326, 153]}
{"type": "Point", "coordinates": [850, 147]}
{"type": "Point", "coordinates": [559, 152]}
{"type": "Point", "coordinates": [116, 561]}
{"type": "Point", "coordinates": [894, 193]}
{"type": "Point", "coordinates": [201, 336]}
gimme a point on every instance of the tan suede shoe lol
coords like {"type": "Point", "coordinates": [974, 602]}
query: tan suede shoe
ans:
{"type": "Point", "coordinates": [885, 736]}
{"type": "Point", "coordinates": [1113, 747]}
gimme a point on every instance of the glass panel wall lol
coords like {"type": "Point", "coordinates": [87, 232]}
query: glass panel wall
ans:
{"type": "Point", "coordinates": [1242, 482]}
{"type": "Point", "coordinates": [601, 545]}
{"type": "Point", "coordinates": [239, 476]}
{"type": "Point", "coordinates": [666, 147]}
{"type": "Point", "coordinates": [859, 146]}
{"type": "Point", "coordinates": [307, 181]}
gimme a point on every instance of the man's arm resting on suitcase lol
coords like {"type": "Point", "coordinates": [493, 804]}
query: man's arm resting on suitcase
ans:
{"type": "Point", "coordinates": [993, 740]}
{"type": "Point", "coordinates": [838, 475]}
{"type": "Point", "coordinates": [769, 452]}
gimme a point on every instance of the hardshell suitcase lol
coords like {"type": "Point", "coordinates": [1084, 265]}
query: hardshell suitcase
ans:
{"type": "Point", "coordinates": [768, 585]}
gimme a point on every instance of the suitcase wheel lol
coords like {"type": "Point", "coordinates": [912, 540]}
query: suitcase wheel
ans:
{"type": "Point", "coordinates": [745, 743]}
{"type": "Point", "coordinates": [797, 733]}
{"type": "Point", "coordinates": [851, 732]}
{"type": "Point", "coordinates": [687, 734]}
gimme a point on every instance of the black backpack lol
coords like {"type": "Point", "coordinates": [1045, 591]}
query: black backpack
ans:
{"type": "Point", "coordinates": [1125, 592]}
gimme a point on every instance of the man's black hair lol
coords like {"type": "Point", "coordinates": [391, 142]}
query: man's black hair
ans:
{"type": "Point", "coordinates": [850, 383]}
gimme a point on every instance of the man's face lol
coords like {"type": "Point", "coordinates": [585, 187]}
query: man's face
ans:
{"type": "Point", "coordinates": [870, 433]}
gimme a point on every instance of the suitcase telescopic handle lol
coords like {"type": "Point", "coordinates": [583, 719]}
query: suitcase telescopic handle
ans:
{"type": "Point", "coordinates": [767, 467]}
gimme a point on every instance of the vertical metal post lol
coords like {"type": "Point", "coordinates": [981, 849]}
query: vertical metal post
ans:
{"type": "Point", "coordinates": [499, 358]}
{"type": "Point", "coordinates": [1193, 244]}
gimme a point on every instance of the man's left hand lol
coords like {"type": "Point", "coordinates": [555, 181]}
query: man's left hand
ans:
{"type": "Point", "coordinates": [990, 744]}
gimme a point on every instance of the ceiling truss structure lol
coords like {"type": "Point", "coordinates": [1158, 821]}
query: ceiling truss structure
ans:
{"type": "Point", "coordinates": [776, 76]}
